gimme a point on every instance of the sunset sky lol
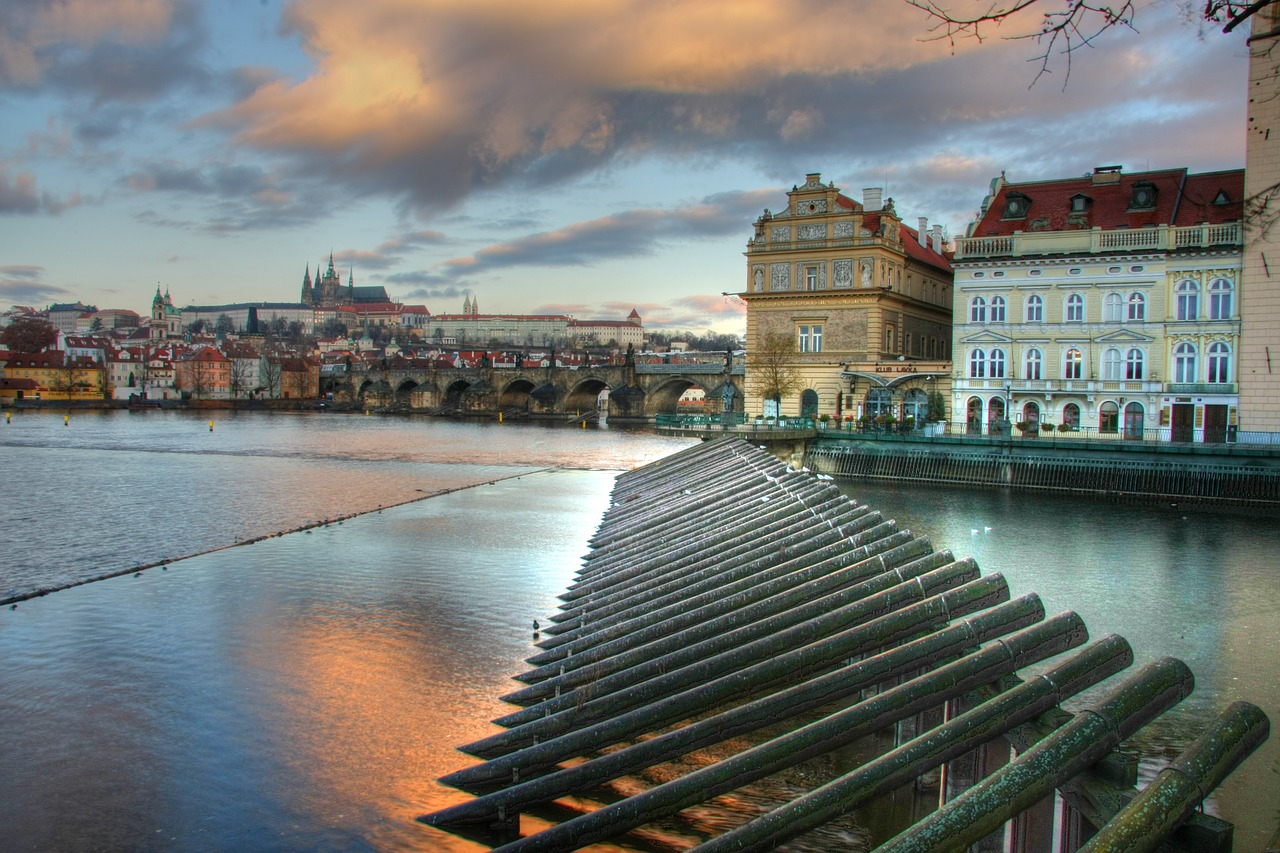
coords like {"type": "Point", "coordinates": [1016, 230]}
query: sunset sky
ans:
{"type": "Point", "coordinates": [570, 156]}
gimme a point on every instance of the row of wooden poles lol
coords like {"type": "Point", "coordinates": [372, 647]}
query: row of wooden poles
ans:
{"type": "Point", "coordinates": [1237, 483]}
{"type": "Point", "coordinates": [727, 595]}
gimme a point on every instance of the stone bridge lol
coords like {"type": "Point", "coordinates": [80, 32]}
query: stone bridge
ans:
{"type": "Point", "coordinates": [632, 391]}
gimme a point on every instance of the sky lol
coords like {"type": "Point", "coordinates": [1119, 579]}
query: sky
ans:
{"type": "Point", "coordinates": [581, 157]}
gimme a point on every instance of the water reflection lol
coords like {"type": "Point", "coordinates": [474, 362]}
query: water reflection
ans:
{"type": "Point", "coordinates": [1195, 585]}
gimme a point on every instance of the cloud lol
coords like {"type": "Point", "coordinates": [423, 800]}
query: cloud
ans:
{"type": "Point", "coordinates": [22, 285]}
{"type": "Point", "coordinates": [19, 195]}
{"type": "Point", "coordinates": [626, 234]}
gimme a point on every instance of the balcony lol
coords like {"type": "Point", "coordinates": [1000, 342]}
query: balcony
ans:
{"type": "Point", "coordinates": [1200, 388]}
{"type": "Point", "coordinates": [1094, 241]}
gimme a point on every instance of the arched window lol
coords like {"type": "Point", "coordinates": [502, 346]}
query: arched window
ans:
{"type": "Point", "coordinates": [1075, 308]}
{"type": "Point", "coordinates": [996, 363]}
{"type": "Point", "coordinates": [915, 404]}
{"type": "Point", "coordinates": [1073, 365]}
{"type": "Point", "coordinates": [973, 415]}
{"type": "Point", "coordinates": [1031, 413]}
{"type": "Point", "coordinates": [997, 309]}
{"type": "Point", "coordinates": [978, 310]}
{"type": "Point", "coordinates": [1113, 308]}
{"type": "Point", "coordinates": [1188, 300]}
{"type": "Point", "coordinates": [1137, 307]}
{"type": "Point", "coordinates": [1035, 308]}
{"type": "Point", "coordinates": [1071, 416]}
{"type": "Point", "coordinates": [1111, 364]}
{"type": "Point", "coordinates": [995, 412]}
{"type": "Point", "coordinates": [1034, 360]}
{"type": "Point", "coordinates": [1109, 417]}
{"type": "Point", "coordinates": [879, 402]}
{"type": "Point", "coordinates": [1219, 363]}
{"type": "Point", "coordinates": [977, 364]}
{"type": "Point", "coordinates": [1220, 299]}
{"type": "Point", "coordinates": [1133, 364]}
{"type": "Point", "coordinates": [809, 403]}
{"type": "Point", "coordinates": [1184, 363]}
{"type": "Point", "coordinates": [1134, 420]}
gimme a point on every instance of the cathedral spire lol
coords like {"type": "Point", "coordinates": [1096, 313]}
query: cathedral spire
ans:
{"type": "Point", "coordinates": [331, 272]}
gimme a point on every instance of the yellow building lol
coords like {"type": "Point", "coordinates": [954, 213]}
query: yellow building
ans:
{"type": "Point", "coordinates": [865, 300]}
{"type": "Point", "coordinates": [56, 376]}
{"type": "Point", "coordinates": [1105, 305]}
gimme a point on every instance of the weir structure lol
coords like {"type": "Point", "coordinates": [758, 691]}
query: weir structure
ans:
{"type": "Point", "coordinates": [736, 609]}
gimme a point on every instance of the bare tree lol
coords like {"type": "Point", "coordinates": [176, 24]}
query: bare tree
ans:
{"type": "Point", "coordinates": [1061, 27]}
{"type": "Point", "coordinates": [772, 370]}
{"type": "Point", "coordinates": [271, 369]}
{"type": "Point", "coordinates": [243, 377]}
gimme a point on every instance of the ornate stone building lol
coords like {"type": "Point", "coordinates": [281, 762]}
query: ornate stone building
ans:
{"type": "Point", "coordinates": [328, 292]}
{"type": "Point", "coordinates": [166, 320]}
{"type": "Point", "coordinates": [1108, 303]}
{"type": "Point", "coordinates": [865, 300]}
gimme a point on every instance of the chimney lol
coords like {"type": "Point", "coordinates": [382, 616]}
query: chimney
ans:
{"type": "Point", "coordinates": [937, 239]}
{"type": "Point", "coordinates": [871, 197]}
{"type": "Point", "coordinates": [1106, 175]}
{"type": "Point", "coordinates": [922, 232]}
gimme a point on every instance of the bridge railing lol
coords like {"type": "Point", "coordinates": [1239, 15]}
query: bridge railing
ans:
{"type": "Point", "coordinates": [690, 420]}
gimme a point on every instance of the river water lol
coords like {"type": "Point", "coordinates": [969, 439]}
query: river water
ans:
{"type": "Point", "coordinates": [303, 692]}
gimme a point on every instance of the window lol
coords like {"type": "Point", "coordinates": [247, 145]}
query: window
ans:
{"type": "Point", "coordinates": [1184, 363]}
{"type": "Point", "coordinates": [1113, 308]}
{"type": "Point", "coordinates": [1137, 307]}
{"type": "Point", "coordinates": [811, 278]}
{"type": "Point", "coordinates": [1133, 364]}
{"type": "Point", "coordinates": [1109, 418]}
{"type": "Point", "coordinates": [1071, 416]}
{"type": "Point", "coordinates": [1034, 361]}
{"type": "Point", "coordinates": [809, 338]}
{"type": "Point", "coordinates": [1073, 366]}
{"type": "Point", "coordinates": [1035, 308]}
{"type": "Point", "coordinates": [1075, 308]}
{"type": "Point", "coordinates": [977, 364]}
{"type": "Point", "coordinates": [997, 309]}
{"type": "Point", "coordinates": [1111, 365]}
{"type": "Point", "coordinates": [996, 363]}
{"type": "Point", "coordinates": [1219, 363]}
{"type": "Point", "coordinates": [978, 310]}
{"type": "Point", "coordinates": [890, 338]}
{"type": "Point", "coordinates": [1220, 300]}
{"type": "Point", "coordinates": [1188, 300]}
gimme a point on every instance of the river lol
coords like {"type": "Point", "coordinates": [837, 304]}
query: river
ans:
{"type": "Point", "coordinates": [303, 692]}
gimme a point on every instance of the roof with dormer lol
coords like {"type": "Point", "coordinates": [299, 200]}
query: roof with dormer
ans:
{"type": "Point", "coordinates": [1111, 200]}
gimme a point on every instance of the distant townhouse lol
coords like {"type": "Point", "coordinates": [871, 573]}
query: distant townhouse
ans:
{"type": "Point", "coordinates": [65, 316]}
{"type": "Point", "coordinates": [203, 374]}
{"type": "Point", "coordinates": [57, 376]}
{"type": "Point", "coordinates": [863, 300]}
{"type": "Point", "coordinates": [1106, 305]}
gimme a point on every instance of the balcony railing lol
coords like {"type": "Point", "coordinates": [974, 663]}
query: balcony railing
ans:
{"type": "Point", "coordinates": [1163, 238]}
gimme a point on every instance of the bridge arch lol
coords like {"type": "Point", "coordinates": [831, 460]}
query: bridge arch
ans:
{"type": "Point", "coordinates": [664, 397]}
{"type": "Point", "coordinates": [453, 394]}
{"type": "Point", "coordinates": [584, 396]}
{"type": "Point", "coordinates": [515, 395]}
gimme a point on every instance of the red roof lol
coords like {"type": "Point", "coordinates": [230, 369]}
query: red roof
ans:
{"type": "Point", "coordinates": [1109, 202]}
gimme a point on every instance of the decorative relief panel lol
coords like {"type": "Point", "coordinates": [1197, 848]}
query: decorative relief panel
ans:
{"type": "Point", "coordinates": [811, 207]}
{"type": "Point", "coordinates": [842, 229]}
{"type": "Point", "coordinates": [802, 275]}
{"type": "Point", "coordinates": [842, 272]}
{"type": "Point", "coordinates": [780, 234]}
{"type": "Point", "coordinates": [780, 277]}
{"type": "Point", "coordinates": [812, 231]}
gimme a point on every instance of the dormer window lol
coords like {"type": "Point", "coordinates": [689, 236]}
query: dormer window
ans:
{"type": "Point", "coordinates": [1221, 198]}
{"type": "Point", "coordinates": [1016, 206]}
{"type": "Point", "coordinates": [1144, 196]}
{"type": "Point", "coordinates": [1080, 203]}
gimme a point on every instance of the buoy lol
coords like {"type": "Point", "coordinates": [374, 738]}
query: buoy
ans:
{"type": "Point", "coordinates": [66, 420]}
{"type": "Point", "coordinates": [499, 417]}
{"type": "Point", "coordinates": [6, 417]}
{"type": "Point", "coordinates": [210, 426]}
